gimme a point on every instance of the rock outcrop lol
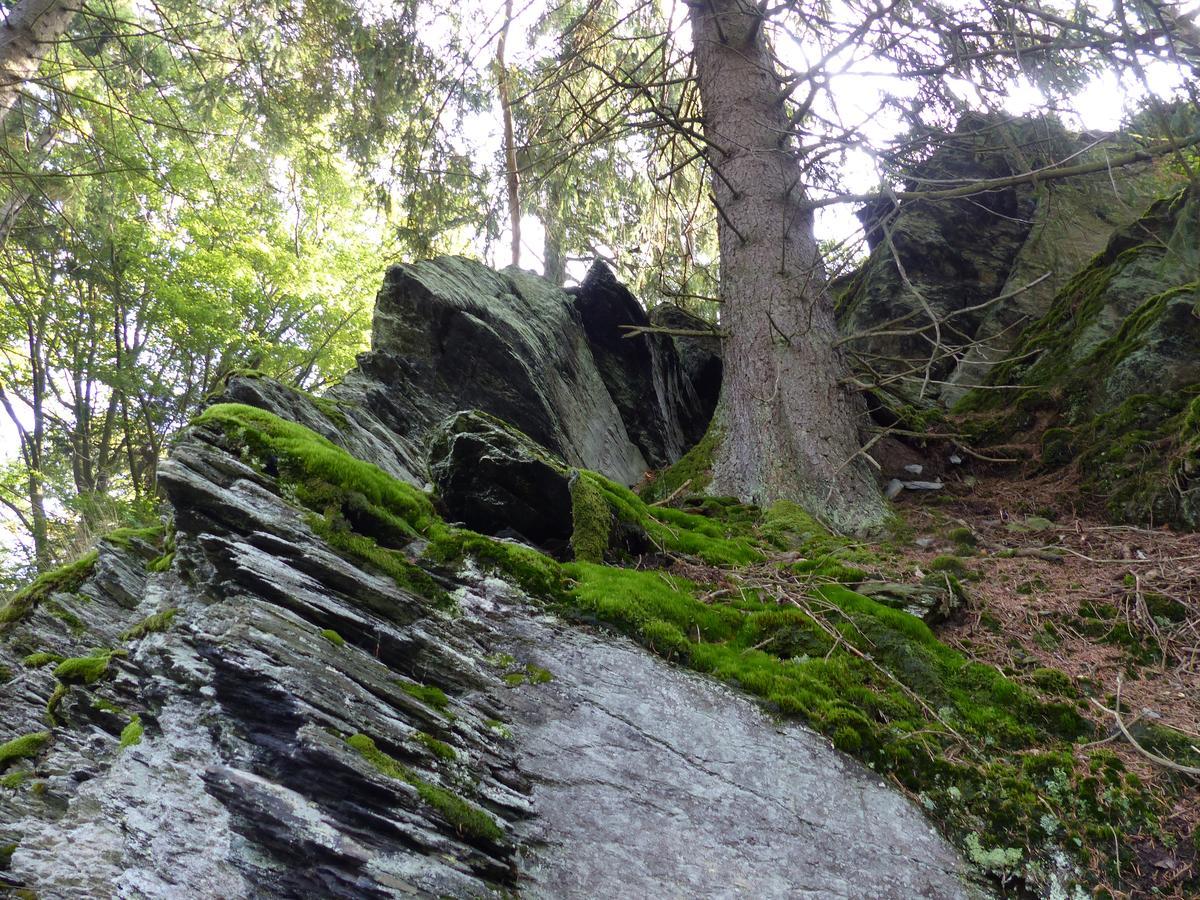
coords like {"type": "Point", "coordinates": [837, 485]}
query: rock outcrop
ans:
{"type": "Point", "coordinates": [311, 684]}
{"type": "Point", "coordinates": [1021, 243]}
{"type": "Point", "coordinates": [1111, 373]}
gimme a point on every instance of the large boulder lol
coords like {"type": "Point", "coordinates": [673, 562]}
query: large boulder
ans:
{"type": "Point", "coordinates": [1021, 243]}
{"type": "Point", "coordinates": [498, 481]}
{"type": "Point", "coordinates": [700, 355]}
{"type": "Point", "coordinates": [452, 334]}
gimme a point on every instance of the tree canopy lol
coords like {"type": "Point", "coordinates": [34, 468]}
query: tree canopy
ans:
{"type": "Point", "coordinates": [191, 189]}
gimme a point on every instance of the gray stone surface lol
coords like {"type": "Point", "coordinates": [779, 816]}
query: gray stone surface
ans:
{"type": "Point", "coordinates": [650, 781]}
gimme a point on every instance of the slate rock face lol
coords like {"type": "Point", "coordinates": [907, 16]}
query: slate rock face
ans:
{"type": "Point", "coordinates": [497, 481]}
{"type": "Point", "coordinates": [700, 357]}
{"type": "Point", "coordinates": [609, 774]}
{"type": "Point", "coordinates": [451, 334]}
{"type": "Point", "coordinates": [307, 726]}
{"type": "Point", "coordinates": [1111, 372]}
{"type": "Point", "coordinates": [642, 373]}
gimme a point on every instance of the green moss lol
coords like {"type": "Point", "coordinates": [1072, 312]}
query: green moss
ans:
{"type": "Point", "coordinates": [692, 473]}
{"type": "Point", "coordinates": [467, 819]}
{"type": "Point", "coordinates": [427, 694]}
{"type": "Point", "coordinates": [24, 747]}
{"type": "Point", "coordinates": [528, 674]}
{"type": "Point", "coordinates": [1054, 681]}
{"type": "Point", "coordinates": [963, 536]}
{"type": "Point", "coordinates": [132, 733]}
{"type": "Point", "coordinates": [440, 749]}
{"type": "Point", "coordinates": [56, 698]}
{"type": "Point", "coordinates": [14, 780]}
{"type": "Point", "coordinates": [161, 563]}
{"type": "Point", "coordinates": [107, 706]}
{"type": "Point", "coordinates": [333, 637]}
{"type": "Point", "coordinates": [129, 538]}
{"type": "Point", "coordinates": [65, 579]}
{"type": "Point", "coordinates": [86, 669]}
{"type": "Point", "coordinates": [673, 529]}
{"type": "Point", "coordinates": [37, 660]}
{"type": "Point", "coordinates": [530, 570]}
{"type": "Point", "coordinates": [64, 615]}
{"type": "Point", "coordinates": [951, 564]}
{"type": "Point", "coordinates": [156, 622]}
{"type": "Point", "coordinates": [591, 520]}
{"type": "Point", "coordinates": [305, 457]}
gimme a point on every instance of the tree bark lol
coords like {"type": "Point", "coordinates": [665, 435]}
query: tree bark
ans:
{"type": "Point", "coordinates": [512, 177]}
{"type": "Point", "coordinates": [789, 426]}
{"type": "Point", "coordinates": [27, 33]}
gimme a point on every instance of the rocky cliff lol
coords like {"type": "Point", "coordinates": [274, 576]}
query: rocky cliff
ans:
{"type": "Point", "coordinates": [313, 681]}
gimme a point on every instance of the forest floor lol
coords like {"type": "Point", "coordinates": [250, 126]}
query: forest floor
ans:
{"type": "Point", "coordinates": [1116, 608]}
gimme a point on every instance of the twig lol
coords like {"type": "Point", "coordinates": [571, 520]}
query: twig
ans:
{"type": "Point", "coordinates": [1153, 757]}
{"type": "Point", "coordinates": [675, 493]}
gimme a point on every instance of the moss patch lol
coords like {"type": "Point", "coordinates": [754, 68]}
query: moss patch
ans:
{"type": "Point", "coordinates": [24, 747]}
{"type": "Point", "coordinates": [333, 637]}
{"type": "Point", "coordinates": [440, 749]}
{"type": "Point", "coordinates": [468, 820]}
{"type": "Point", "coordinates": [65, 579]}
{"type": "Point", "coordinates": [132, 733]}
{"type": "Point", "coordinates": [591, 520]}
{"type": "Point", "coordinates": [86, 669]}
{"type": "Point", "coordinates": [427, 694]}
{"type": "Point", "coordinates": [38, 660]}
{"type": "Point", "coordinates": [156, 622]}
{"type": "Point", "coordinates": [692, 473]}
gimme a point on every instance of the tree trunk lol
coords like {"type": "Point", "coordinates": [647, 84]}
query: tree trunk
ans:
{"type": "Point", "coordinates": [512, 177]}
{"type": "Point", "coordinates": [789, 425]}
{"type": "Point", "coordinates": [28, 32]}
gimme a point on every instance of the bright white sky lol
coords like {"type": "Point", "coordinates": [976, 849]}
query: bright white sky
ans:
{"type": "Point", "coordinates": [1101, 106]}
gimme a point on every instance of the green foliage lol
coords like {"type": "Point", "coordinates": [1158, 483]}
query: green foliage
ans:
{"type": "Point", "coordinates": [23, 747]}
{"type": "Point", "coordinates": [467, 820]}
{"type": "Point", "coordinates": [333, 637]}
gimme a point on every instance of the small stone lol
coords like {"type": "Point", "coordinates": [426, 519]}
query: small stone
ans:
{"type": "Point", "coordinates": [893, 489]}
{"type": "Point", "coordinates": [914, 468]}
{"type": "Point", "coordinates": [955, 459]}
{"type": "Point", "coordinates": [923, 485]}
{"type": "Point", "coordinates": [924, 542]}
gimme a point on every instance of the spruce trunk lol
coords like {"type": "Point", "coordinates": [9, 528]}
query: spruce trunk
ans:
{"type": "Point", "coordinates": [789, 423]}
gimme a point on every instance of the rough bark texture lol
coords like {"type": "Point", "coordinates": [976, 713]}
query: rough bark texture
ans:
{"type": "Point", "coordinates": [790, 429]}
{"type": "Point", "coordinates": [26, 36]}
